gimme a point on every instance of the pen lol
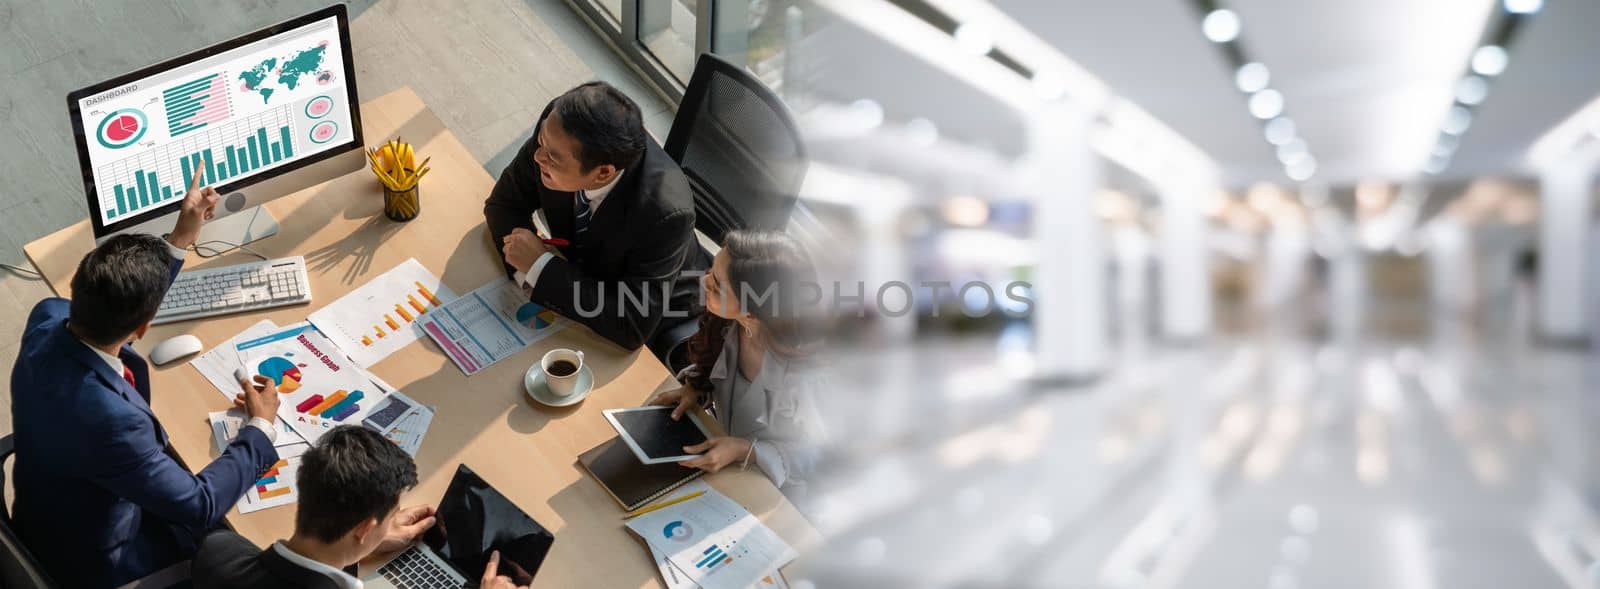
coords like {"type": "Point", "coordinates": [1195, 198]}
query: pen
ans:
{"type": "Point", "coordinates": [558, 242]}
{"type": "Point", "coordinates": [644, 510]}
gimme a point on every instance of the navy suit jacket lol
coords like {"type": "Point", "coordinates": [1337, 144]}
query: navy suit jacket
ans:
{"type": "Point", "coordinates": [100, 500]}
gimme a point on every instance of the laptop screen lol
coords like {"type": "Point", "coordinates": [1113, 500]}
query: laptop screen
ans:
{"type": "Point", "coordinates": [474, 519]}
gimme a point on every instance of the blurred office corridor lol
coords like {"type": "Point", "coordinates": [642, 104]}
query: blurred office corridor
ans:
{"type": "Point", "coordinates": [1445, 458]}
{"type": "Point", "coordinates": [1352, 348]}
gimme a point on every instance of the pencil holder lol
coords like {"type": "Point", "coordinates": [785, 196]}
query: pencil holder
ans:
{"type": "Point", "coordinates": [402, 205]}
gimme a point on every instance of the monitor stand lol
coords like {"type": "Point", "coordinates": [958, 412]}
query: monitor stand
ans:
{"type": "Point", "coordinates": [245, 226]}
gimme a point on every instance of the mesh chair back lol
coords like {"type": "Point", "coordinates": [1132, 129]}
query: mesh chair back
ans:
{"type": "Point", "coordinates": [740, 148]}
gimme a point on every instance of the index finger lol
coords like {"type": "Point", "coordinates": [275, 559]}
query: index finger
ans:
{"type": "Point", "coordinates": [194, 173]}
{"type": "Point", "coordinates": [490, 572]}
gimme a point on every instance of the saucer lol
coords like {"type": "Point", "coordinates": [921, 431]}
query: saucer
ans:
{"type": "Point", "coordinates": [533, 383]}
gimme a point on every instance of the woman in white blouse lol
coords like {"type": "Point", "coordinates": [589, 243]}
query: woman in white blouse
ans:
{"type": "Point", "coordinates": [751, 363]}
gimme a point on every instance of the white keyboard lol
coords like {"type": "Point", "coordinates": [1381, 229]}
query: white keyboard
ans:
{"type": "Point", "coordinates": [235, 289]}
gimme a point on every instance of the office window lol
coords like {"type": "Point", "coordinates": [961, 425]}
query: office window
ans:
{"type": "Point", "coordinates": [612, 7]}
{"type": "Point", "coordinates": [757, 34]}
{"type": "Point", "coordinates": [664, 37]}
{"type": "Point", "coordinates": [667, 29]}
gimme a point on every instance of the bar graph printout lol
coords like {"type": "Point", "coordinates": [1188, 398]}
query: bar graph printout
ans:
{"type": "Point", "coordinates": [275, 486]}
{"type": "Point", "coordinates": [380, 317]}
{"type": "Point", "coordinates": [229, 116]}
{"type": "Point", "coordinates": [714, 541]}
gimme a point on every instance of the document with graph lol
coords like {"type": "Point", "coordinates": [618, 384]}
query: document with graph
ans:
{"type": "Point", "coordinates": [379, 317]}
{"type": "Point", "coordinates": [319, 387]}
{"type": "Point", "coordinates": [714, 541]}
{"type": "Point", "coordinates": [489, 324]}
{"type": "Point", "coordinates": [275, 486]}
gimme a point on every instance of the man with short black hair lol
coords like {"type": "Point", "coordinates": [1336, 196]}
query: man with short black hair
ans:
{"type": "Point", "coordinates": [101, 500]}
{"type": "Point", "coordinates": [620, 214]}
{"type": "Point", "coordinates": [350, 484]}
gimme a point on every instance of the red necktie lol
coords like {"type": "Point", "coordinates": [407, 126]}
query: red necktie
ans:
{"type": "Point", "coordinates": [128, 374]}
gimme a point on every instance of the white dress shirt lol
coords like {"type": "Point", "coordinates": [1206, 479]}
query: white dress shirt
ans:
{"type": "Point", "coordinates": [116, 363]}
{"type": "Point", "coordinates": [596, 196]}
{"type": "Point", "coordinates": [342, 578]}
{"type": "Point", "coordinates": [777, 411]}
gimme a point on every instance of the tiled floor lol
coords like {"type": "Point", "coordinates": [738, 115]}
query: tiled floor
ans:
{"type": "Point", "coordinates": [487, 67]}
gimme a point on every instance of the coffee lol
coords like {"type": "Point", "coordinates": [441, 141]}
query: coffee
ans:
{"type": "Point", "coordinates": [562, 368]}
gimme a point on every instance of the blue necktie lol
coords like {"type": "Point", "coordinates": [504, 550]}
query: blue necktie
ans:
{"type": "Point", "coordinates": [581, 222]}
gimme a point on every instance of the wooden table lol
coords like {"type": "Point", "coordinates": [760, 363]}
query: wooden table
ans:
{"type": "Point", "coordinates": [526, 450]}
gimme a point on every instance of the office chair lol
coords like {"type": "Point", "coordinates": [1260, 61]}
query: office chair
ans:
{"type": "Point", "coordinates": [741, 151]}
{"type": "Point", "coordinates": [18, 569]}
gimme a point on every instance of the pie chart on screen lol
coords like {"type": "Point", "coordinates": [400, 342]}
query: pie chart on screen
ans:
{"type": "Point", "coordinates": [121, 128]}
{"type": "Point", "coordinates": [324, 131]}
{"type": "Point", "coordinates": [319, 107]}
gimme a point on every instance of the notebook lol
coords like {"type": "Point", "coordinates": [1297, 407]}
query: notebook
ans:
{"type": "Point", "coordinates": [631, 483]}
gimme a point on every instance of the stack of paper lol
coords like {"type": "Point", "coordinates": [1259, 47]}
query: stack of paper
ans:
{"type": "Point", "coordinates": [319, 368]}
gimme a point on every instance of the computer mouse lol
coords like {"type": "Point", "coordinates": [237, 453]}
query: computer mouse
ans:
{"type": "Point", "coordinates": [175, 348]}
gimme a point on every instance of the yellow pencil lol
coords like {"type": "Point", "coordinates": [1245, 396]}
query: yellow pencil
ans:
{"type": "Point", "coordinates": [644, 510]}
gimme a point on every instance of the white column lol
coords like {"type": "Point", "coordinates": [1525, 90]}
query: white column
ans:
{"type": "Point", "coordinates": [1565, 205]}
{"type": "Point", "coordinates": [884, 260]}
{"type": "Point", "coordinates": [1452, 284]}
{"type": "Point", "coordinates": [1185, 283]}
{"type": "Point", "coordinates": [1070, 285]}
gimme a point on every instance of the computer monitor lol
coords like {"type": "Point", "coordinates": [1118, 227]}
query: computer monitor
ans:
{"type": "Point", "coordinates": [262, 115]}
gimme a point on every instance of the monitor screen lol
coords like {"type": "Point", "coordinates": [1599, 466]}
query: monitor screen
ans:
{"type": "Point", "coordinates": [243, 110]}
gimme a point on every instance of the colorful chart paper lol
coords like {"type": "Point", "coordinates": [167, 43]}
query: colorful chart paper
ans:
{"type": "Point", "coordinates": [275, 486]}
{"type": "Point", "coordinates": [319, 387]}
{"type": "Point", "coordinates": [489, 324]}
{"type": "Point", "coordinates": [379, 317]}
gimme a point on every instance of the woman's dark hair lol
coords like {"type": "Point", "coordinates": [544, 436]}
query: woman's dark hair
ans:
{"type": "Point", "coordinates": [118, 287]}
{"type": "Point", "coordinates": [352, 473]}
{"type": "Point", "coordinates": [769, 274]}
{"type": "Point", "coordinates": [607, 124]}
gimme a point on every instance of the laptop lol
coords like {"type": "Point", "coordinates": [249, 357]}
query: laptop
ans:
{"type": "Point", "coordinates": [473, 520]}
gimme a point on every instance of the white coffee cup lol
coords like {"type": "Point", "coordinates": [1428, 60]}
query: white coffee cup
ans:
{"type": "Point", "coordinates": [561, 385]}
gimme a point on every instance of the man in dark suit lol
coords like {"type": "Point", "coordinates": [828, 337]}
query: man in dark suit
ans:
{"type": "Point", "coordinates": [100, 499]}
{"type": "Point", "coordinates": [623, 208]}
{"type": "Point", "coordinates": [350, 485]}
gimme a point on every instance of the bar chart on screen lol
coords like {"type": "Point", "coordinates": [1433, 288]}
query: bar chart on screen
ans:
{"type": "Point", "coordinates": [196, 103]}
{"type": "Point", "coordinates": [156, 176]}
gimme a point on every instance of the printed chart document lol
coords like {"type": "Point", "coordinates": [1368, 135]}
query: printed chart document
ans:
{"type": "Point", "coordinates": [716, 542]}
{"type": "Point", "coordinates": [225, 427]}
{"type": "Point", "coordinates": [489, 324]}
{"type": "Point", "coordinates": [379, 317]}
{"type": "Point", "coordinates": [276, 486]}
{"type": "Point", "coordinates": [674, 578]}
{"type": "Point", "coordinates": [401, 420]}
{"type": "Point", "coordinates": [319, 387]}
{"type": "Point", "coordinates": [218, 364]}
